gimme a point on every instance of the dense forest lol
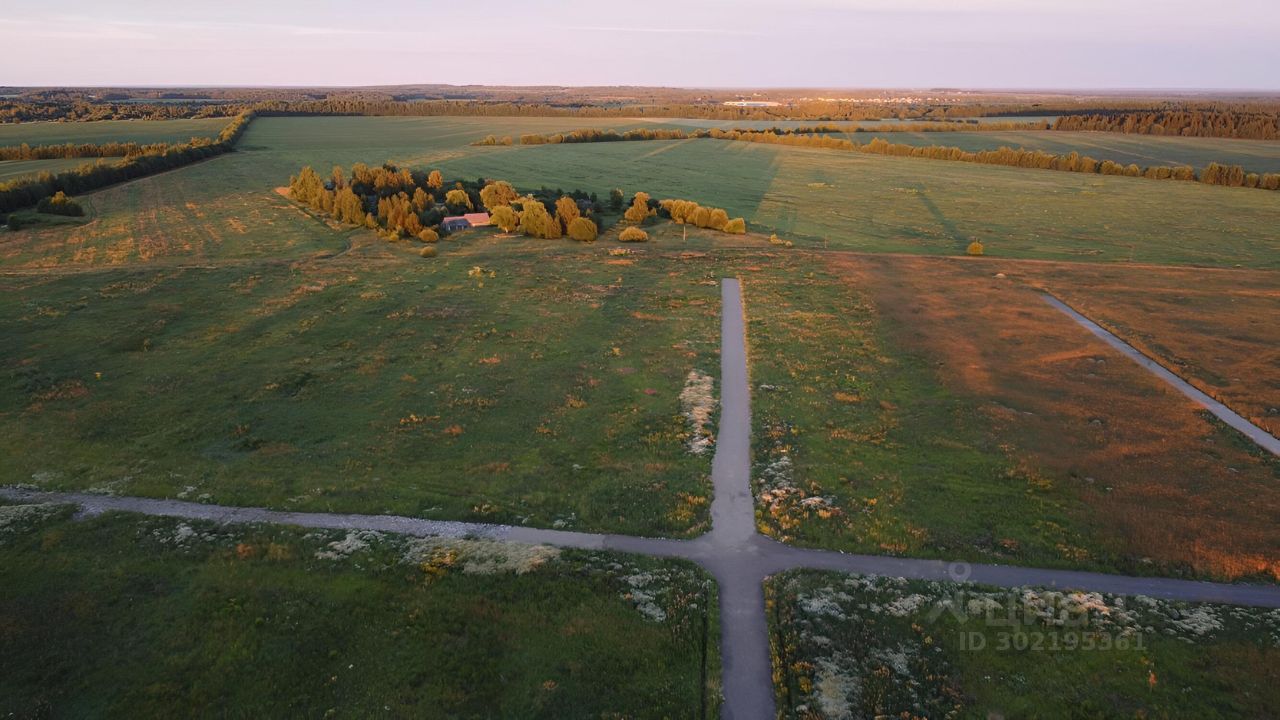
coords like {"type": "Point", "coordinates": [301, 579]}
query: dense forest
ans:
{"type": "Point", "coordinates": [17, 110]}
{"type": "Point", "coordinates": [1181, 123]}
{"type": "Point", "coordinates": [27, 192]}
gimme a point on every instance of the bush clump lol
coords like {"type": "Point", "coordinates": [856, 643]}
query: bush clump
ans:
{"type": "Point", "coordinates": [583, 230]}
{"type": "Point", "coordinates": [633, 234]}
{"type": "Point", "coordinates": [60, 204]}
{"type": "Point", "coordinates": [428, 251]}
{"type": "Point", "coordinates": [975, 248]}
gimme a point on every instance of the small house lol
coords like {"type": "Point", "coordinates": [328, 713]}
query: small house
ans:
{"type": "Point", "coordinates": [480, 219]}
{"type": "Point", "coordinates": [455, 223]}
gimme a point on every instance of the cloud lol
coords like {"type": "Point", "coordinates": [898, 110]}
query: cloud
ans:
{"type": "Point", "coordinates": [660, 30]}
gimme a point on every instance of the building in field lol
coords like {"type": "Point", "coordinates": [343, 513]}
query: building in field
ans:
{"type": "Point", "coordinates": [480, 219]}
{"type": "Point", "coordinates": [454, 224]}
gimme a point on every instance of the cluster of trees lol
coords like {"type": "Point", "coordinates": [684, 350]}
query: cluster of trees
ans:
{"type": "Point", "coordinates": [70, 150]}
{"type": "Point", "coordinates": [687, 211]}
{"type": "Point", "coordinates": [25, 192]}
{"type": "Point", "coordinates": [1181, 123]}
{"type": "Point", "coordinates": [591, 135]}
{"type": "Point", "coordinates": [400, 203]}
{"type": "Point", "coordinates": [494, 140]}
{"type": "Point", "coordinates": [60, 204]}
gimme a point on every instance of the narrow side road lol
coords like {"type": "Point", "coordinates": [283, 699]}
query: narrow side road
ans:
{"type": "Point", "coordinates": [1264, 439]}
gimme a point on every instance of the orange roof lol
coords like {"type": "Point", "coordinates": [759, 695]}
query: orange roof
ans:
{"type": "Point", "coordinates": [477, 219]}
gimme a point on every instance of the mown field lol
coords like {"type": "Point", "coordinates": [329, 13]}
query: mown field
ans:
{"type": "Point", "coordinates": [14, 169]}
{"type": "Point", "coordinates": [104, 131]}
{"type": "Point", "coordinates": [124, 615]}
{"type": "Point", "coordinates": [921, 406]}
{"type": "Point", "coordinates": [847, 646]}
{"type": "Point", "coordinates": [837, 200]}
{"type": "Point", "coordinates": [226, 207]}
{"type": "Point", "coordinates": [1260, 156]}
{"type": "Point", "coordinates": [1054, 462]}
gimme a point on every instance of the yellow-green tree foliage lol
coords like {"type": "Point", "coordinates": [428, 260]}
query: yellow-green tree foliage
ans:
{"type": "Point", "coordinates": [736, 226]}
{"type": "Point", "coordinates": [421, 199]}
{"type": "Point", "coordinates": [504, 216]}
{"type": "Point", "coordinates": [633, 234]}
{"type": "Point", "coordinates": [566, 211]}
{"type": "Point", "coordinates": [583, 229]}
{"type": "Point", "coordinates": [496, 194]}
{"type": "Point", "coordinates": [718, 219]}
{"type": "Point", "coordinates": [427, 235]}
{"type": "Point", "coordinates": [537, 222]}
{"type": "Point", "coordinates": [458, 198]}
{"type": "Point", "coordinates": [435, 180]}
{"type": "Point", "coordinates": [639, 209]}
{"type": "Point", "coordinates": [975, 248]}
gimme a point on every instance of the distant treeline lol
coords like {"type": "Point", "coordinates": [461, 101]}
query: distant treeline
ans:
{"type": "Point", "coordinates": [14, 111]}
{"type": "Point", "coordinates": [1213, 174]}
{"type": "Point", "coordinates": [26, 192]}
{"type": "Point", "coordinates": [69, 150]}
{"type": "Point", "coordinates": [1181, 123]}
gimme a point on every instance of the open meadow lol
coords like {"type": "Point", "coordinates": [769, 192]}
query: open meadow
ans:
{"type": "Point", "coordinates": [858, 646]}
{"type": "Point", "coordinates": [14, 169]}
{"type": "Point", "coordinates": [130, 615]}
{"type": "Point", "coordinates": [199, 335]}
{"type": "Point", "coordinates": [503, 381]}
{"type": "Point", "coordinates": [110, 131]}
{"type": "Point", "coordinates": [1260, 156]}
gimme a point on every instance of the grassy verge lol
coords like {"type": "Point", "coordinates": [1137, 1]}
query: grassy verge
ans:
{"type": "Point", "coordinates": [129, 615]}
{"type": "Point", "coordinates": [848, 646]}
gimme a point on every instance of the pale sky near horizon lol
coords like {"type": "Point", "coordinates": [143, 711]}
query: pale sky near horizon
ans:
{"type": "Point", "coordinates": [1231, 44]}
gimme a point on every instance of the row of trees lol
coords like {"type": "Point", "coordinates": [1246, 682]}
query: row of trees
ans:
{"type": "Point", "coordinates": [687, 211]}
{"type": "Point", "coordinates": [1214, 174]}
{"type": "Point", "coordinates": [1181, 123]}
{"type": "Point", "coordinates": [71, 150]}
{"type": "Point", "coordinates": [25, 192]}
{"type": "Point", "coordinates": [78, 110]}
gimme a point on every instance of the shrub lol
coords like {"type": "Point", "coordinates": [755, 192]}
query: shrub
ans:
{"type": "Point", "coordinates": [633, 234]}
{"type": "Point", "coordinates": [428, 251]}
{"type": "Point", "coordinates": [60, 204]}
{"type": "Point", "coordinates": [428, 235]}
{"type": "Point", "coordinates": [975, 248]}
{"type": "Point", "coordinates": [773, 240]}
{"type": "Point", "coordinates": [736, 226]}
{"type": "Point", "coordinates": [639, 209]}
{"type": "Point", "coordinates": [14, 223]}
{"type": "Point", "coordinates": [583, 229]}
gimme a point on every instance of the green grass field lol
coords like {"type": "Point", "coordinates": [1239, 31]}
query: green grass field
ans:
{"type": "Point", "coordinates": [14, 169]}
{"type": "Point", "coordinates": [1260, 156]}
{"type": "Point", "coordinates": [851, 646]}
{"type": "Point", "coordinates": [226, 207]}
{"type": "Point", "coordinates": [124, 615]}
{"type": "Point", "coordinates": [104, 131]}
{"type": "Point", "coordinates": [507, 380]}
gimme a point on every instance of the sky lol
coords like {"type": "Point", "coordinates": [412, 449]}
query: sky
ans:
{"type": "Point", "coordinates": [1074, 44]}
